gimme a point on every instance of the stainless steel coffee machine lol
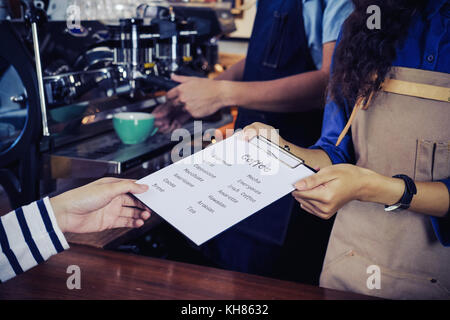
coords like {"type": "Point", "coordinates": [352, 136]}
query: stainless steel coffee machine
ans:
{"type": "Point", "coordinates": [65, 73]}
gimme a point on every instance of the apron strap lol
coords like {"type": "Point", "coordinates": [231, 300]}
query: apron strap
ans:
{"type": "Point", "coordinates": [406, 88]}
{"type": "Point", "coordinates": [361, 103]}
{"type": "Point", "coordinates": [419, 90]}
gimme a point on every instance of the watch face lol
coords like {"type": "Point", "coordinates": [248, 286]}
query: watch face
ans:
{"type": "Point", "coordinates": [393, 208]}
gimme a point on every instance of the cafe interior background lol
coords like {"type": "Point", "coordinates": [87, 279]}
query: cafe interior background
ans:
{"type": "Point", "coordinates": [87, 75]}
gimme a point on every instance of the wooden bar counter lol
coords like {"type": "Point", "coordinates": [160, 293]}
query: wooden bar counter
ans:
{"type": "Point", "coordinates": [115, 275]}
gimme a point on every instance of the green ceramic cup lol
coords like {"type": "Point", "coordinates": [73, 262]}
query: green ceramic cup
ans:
{"type": "Point", "coordinates": [134, 127]}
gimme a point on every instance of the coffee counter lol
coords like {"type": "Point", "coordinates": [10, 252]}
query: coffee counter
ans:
{"type": "Point", "coordinates": [114, 275]}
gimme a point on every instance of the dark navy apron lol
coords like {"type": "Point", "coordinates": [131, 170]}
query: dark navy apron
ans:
{"type": "Point", "coordinates": [278, 48]}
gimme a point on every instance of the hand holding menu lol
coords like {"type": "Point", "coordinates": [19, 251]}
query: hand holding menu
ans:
{"type": "Point", "coordinates": [211, 190]}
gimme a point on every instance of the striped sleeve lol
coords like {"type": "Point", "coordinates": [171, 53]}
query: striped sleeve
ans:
{"type": "Point", "coordinates": [28, 236]}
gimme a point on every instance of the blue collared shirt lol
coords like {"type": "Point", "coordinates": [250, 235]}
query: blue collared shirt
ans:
{"type": "Point", "coordinates": [426, 47]}
{"type": "Point", "coordinates": [323, 20]}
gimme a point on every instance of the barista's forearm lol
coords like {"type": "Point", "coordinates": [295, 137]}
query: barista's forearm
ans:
{"type": "Point", "coordinates": [315, 158]}
{"type": "Point", "coordinates": [302, 92]}
{"type": "Point", "coordinates": [432, 198]}
{"type": "Point", "coordinates": [233, 73]}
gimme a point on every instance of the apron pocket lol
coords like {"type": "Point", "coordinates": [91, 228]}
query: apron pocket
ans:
{"type": "Point", "coordinates": [351, 271]}
{"type": "Point", "coordinates": [441, 161]}
{"type": "Point", "coordinates": [432, 160]}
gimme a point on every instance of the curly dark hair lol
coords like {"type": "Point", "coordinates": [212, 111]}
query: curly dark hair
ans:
{"type": "Point", "coordinates": [363, 56]}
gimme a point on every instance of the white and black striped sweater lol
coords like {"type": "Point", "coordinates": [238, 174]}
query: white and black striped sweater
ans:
{"type": "Point", "coordinates": [28, 236]}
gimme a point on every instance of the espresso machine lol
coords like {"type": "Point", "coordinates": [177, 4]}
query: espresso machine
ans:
{"type": "Point", "coordinates": [65, 72]}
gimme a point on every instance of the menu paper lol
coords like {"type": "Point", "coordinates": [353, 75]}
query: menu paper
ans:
{"type": "Point", "coordinates": [208, 192]}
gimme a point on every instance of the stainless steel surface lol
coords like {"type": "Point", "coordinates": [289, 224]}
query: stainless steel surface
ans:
{"type": "Point", "coordinates": [105, 154]}
{"type": "Point", "coordinates": [37, 58]}
{"type": "Point", "coordinates": [78, 122]}
{"type": "Point", "coordinates": [66, 88]}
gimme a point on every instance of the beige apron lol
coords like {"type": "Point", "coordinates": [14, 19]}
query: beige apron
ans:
{"type": "Point", "coordinates": [397, 134]}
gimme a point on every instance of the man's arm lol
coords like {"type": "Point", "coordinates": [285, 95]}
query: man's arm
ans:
{"type": "Point", "coordinates": [233, 73]}
{"type": "Point", "coordinates": [301, 92]}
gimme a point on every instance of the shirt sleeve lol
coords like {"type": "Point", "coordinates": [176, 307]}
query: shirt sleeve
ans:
{"type": "Point", "coordinates": [334, 121]}
{"type": "Point", "coordinates": [334, 15]}
{"type": "Point", "coordinates": [322, 20]}
{"type": "Point", "coordinates": [441, 226]}
{"type": "Point", "coordinates": [28, 236]}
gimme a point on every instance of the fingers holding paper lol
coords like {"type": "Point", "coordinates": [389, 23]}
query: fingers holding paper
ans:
{"type": "Point", "coordinates": [264, 130]}
{"type": "Point", "coordinates": [104, 204]}
{"type": "Point", "coordinates": [327, 191]}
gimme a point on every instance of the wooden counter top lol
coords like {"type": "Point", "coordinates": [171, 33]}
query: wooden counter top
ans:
{"type": "Point", "coordinates": [115, 275]}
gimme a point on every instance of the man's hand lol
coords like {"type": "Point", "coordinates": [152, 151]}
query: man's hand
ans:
{"type": "Point", "coordinates": [198, 96]}
{"type": "Point", "coordinates": [103, 204]}
{"type": "Point", "coordinates": [169, 117]}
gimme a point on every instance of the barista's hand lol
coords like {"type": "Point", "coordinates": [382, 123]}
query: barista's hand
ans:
{"type": "Point", "coordinates": [169, 117]}
{"type": "Point", "coordinates": [264, 130]}
{"type": "Point", "coordinates": [198, 96]}
{"type": "Point", "coordinates": [103, 204]}
{"type": "Point", "coordinates": [325, 192]}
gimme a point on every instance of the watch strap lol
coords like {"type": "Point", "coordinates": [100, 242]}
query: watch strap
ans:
{"type": "Point", "coordinates": [408, 194]}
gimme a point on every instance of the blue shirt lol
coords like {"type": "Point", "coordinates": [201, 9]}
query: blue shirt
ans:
{"type": "Point", "coordinates": [323, 20]}
{"type": "Point", "coordinates": [426, 47]}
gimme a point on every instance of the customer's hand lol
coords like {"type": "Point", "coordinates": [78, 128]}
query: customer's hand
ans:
{"type": "Point", "coordinates": [264, 130]}
{"type": "Point", "coordinates": [103, 204]}
{"type": "Point", "coordinates": [169, 117]}
{"type": "Point", "coordinates": [327, 191]}
{"type": "Point", "coordinates": [199, 96]}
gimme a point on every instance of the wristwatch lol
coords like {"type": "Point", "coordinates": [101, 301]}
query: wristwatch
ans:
{"type": "Point", "coordinates": [405, 201]}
